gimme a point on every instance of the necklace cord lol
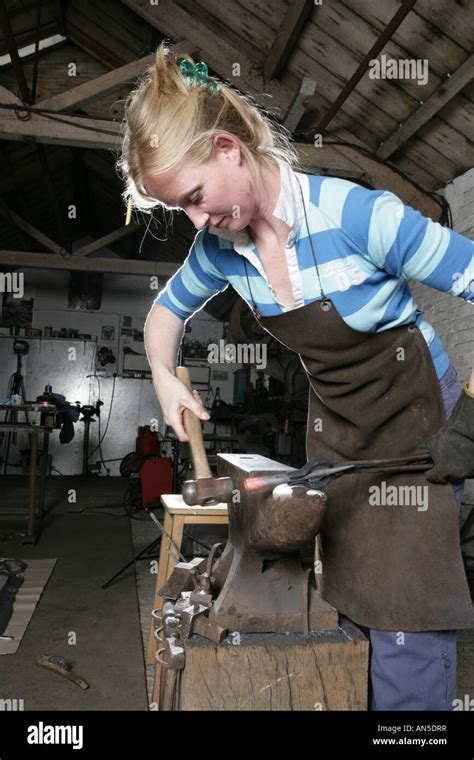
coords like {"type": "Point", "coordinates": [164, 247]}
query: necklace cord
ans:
{"type": "Point", "coordinates": [323, 296]}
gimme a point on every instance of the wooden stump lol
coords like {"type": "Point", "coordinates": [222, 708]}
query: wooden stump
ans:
{"type": "Point", "coordinates": [327, 670]}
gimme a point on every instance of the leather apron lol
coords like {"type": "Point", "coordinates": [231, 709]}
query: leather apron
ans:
{"type": "Point", "coordinates": [389, 563]}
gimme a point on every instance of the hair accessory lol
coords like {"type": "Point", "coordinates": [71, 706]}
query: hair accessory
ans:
{"type": "Point", "coordinates": [198, 75]}
{"type": "Point", "coordinates": [128, 217]}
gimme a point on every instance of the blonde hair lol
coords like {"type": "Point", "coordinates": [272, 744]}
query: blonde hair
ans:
{"type": "Point", "coordinates": [168, 120]}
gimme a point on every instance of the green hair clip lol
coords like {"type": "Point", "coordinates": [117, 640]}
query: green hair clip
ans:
{"type": "Point", "coordinates": [198, 75]}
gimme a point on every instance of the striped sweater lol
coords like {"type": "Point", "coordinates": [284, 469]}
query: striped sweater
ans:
{"type": "Point", "coordinates": [367, 245]}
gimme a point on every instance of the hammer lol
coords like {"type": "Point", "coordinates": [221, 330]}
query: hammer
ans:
{"type": "Point", "coordinates": [205, 490]}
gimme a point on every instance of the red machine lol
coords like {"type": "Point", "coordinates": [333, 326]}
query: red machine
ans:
{"type": "Point", "coordinates": [151, 474]}
{"type": "Point", "coordinates": [156, 478]}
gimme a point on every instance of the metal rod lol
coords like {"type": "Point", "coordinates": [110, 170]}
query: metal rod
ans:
{"type": "Point", "coordinates": [32, 483]}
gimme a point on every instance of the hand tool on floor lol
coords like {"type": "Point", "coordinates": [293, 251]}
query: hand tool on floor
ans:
{"type": "Point", "coordinates": [62, 667]}
{"type": "Point", "coordinates": [13, 569]}
{"type": "Point", "coordinates": [204, 490]}
{"type": "Point", "coordinates": [318, 473]}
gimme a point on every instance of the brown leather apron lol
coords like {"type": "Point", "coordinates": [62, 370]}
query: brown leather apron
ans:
{"type": "Point", "coordinates": [388, 562]}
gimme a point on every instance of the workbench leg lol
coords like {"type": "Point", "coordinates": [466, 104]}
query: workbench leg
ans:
{"type": "Point", "coordinates": [44, 468]}
{"type": "Point", "coordinates": [30, 532]}
{"type": "Point", "coordinates": [175, 528]}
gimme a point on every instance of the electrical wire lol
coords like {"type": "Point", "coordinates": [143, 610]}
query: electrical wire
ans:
{"type": "Point", "coordinates": [108, 419]}
{"type": "Point", "coordinates": [49, 113]}
{"type": "Point", "coordinates": [99, 445]}
{"type": "Point", "coordinates": [446, 215]}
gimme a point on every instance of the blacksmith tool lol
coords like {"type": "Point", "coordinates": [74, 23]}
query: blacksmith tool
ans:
{"type": "Point", "coordinates": [318, 473]}
{"type": "Point", "coordinates": [62, 667]}
{"type": "Point", "coordinates": [204, 490]}
{"type": "Point", "coordinates": [13, 569]}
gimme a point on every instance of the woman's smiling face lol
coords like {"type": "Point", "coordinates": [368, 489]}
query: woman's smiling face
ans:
{"type": "Point", "coordinates": [218, 192]}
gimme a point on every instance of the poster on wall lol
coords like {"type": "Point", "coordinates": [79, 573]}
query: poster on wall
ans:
{"type": "Point", "coordinates": [17, 311]}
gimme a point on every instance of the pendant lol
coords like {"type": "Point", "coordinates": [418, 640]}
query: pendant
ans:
{"type": "Point", "coordinates": [326, 304]}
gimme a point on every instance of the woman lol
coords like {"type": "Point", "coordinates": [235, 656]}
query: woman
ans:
{"type": "Point", "coordinates": [324, 264]}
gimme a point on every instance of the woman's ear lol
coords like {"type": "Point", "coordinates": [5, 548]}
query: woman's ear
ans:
{"type": "Point", "coordinates": [228, 146]}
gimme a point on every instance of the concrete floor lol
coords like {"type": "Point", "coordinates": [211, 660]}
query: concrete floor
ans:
{"type": "Point", "coordinates": [89, 547]}
{"type": "Point", "coordinates": [112, 625]}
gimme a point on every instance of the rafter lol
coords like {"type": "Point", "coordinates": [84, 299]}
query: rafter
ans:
{"type": "Point", "coordinates": [71, 130]}
{"type": "Point", "coordinates": [13, 50]}
{"type": "Point", "coordinates": [102, 85]}
{"type": "Point", "coordinates": [361, 70]}
{"type": "Point", "coordinates": [85, 42]}
{"type": "Point", "coordinates": [30, 172]}
{"type": "Point", "coordinates": [221, 55]}
{"type": "Point", "coordinates": [19, 259]}
{"type": "Point", "coordinates": [7, 96]}
{"type": "Point", "coordinates": [94, 87]}
{"type": "Point", "coordinates": [375, 173]}
{"type": "Point", "coordinates": [105, 240]}
{"type": "Point", "coordinates": [30, 229]}
{"type": "Point", "coordinates": [445, 92]}
{"type": "Point", "coordinates": [287, 37]}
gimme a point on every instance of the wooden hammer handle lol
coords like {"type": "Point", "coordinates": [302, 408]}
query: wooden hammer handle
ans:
{"type": "Point", "coordinates": [192, 426]}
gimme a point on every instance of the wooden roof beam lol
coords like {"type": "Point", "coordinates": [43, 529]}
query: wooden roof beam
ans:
{"type": "Point", "coordinates": [96, 87]}
{"type": "Point", "coordinates": [450, 87]}
{"type": "Point", "coordinates": [375, 173]}
{"type": "Point", "coordinates": [14, 55]}
{"type": "Point", "coordinates": [7, 96]}
{"type": "Point", "coordinates": [221, 55]}
{"type": "Point", "coordinates": [30, 229]}
{"type": "Point", "coordinates": [31, 171]}
{"type": "Point", "coordinates": [108, 239]}
{"type": "Point", "coordinates": [379, 44]}
{"type": "Point", "coordinates": [76, 131]}
{"type": "Point", "coordinates": [102, 85]}
{"type": "Point", "coordinates": [92, 47]}
{"type": "Point", "coordinates": [287, 37]}
{"type": "Point", "coordinates": [20, 259]}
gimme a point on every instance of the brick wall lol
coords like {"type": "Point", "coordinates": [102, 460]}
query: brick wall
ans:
{"type": "Point", "coordinates": [451, 317]}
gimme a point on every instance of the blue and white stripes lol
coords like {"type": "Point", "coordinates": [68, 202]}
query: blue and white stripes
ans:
{"type": "Point", "coordinates": [367, 245]}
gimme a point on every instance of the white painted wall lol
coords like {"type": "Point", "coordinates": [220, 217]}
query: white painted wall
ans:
{"type": "Point", "coordinates": [134, 401]}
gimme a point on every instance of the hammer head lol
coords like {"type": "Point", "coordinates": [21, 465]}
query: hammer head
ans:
{"type": "Point", "coordinates": [206, 492]}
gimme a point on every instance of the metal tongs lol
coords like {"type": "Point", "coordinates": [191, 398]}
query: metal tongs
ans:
{"type": "Point", "coordinates": [318, 473]}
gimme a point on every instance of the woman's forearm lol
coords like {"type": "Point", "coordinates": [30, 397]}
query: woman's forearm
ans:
{"type": "Point", "coordinates": [471, 381]}
{"type": "Point", "coordinates": [162, 335]}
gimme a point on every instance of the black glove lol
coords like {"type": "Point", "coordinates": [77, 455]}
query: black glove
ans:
{"type": "Point", "coordinates": [452, 448]}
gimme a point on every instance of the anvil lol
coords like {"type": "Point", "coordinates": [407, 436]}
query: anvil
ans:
{"type": "Point", "coordinates": [261, 583]}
